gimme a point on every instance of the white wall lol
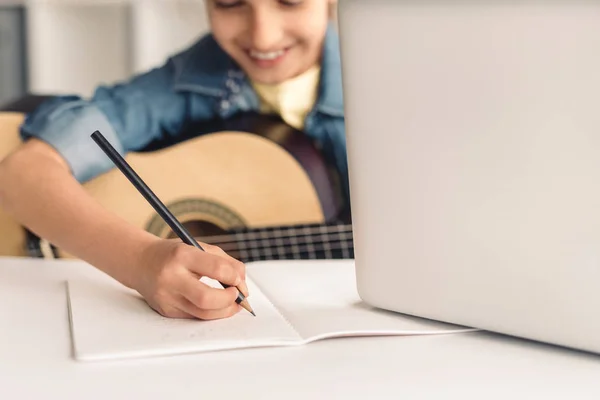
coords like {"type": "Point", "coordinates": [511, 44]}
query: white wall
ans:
{"type": "Point", "coordinates": [74, 45]}
{"type": "Point", "coordinates": [161, 27]}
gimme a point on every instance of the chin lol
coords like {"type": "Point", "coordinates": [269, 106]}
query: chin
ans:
{"type": "Point", "coordinates": [268, 77]}
{"type": "Point", "coordinates": [271, 74]}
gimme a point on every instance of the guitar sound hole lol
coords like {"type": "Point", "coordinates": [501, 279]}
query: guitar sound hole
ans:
{"type": "Point", "coordinates": [199, 229]}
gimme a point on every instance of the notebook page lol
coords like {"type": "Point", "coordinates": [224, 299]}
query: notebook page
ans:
{"type": "Point", "coordinates": [109, 321]}
{"type": "Point", "coordinates": [320, 300]}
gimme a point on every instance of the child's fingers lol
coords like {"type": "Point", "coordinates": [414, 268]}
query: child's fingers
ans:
{"type": "Point", "coordinates": [180, 314]}
{"type": "Point", "coordinates": [195, 312]}
{"type": "Point", "coordinates": [205, 297]}
{"type": "Point", "coordinates": [241, 268]}
{"type": "Point", "coordinates": [238, 265]}
{"type": "Point", "coordinates": [214, 267]}
{"type": "Point", "coordinates": [243, 288]}
{"type": "Point", "coordinates": [170, 311]}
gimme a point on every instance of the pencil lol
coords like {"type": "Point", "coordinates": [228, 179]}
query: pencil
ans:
{"type": "Point", "coordinates": [157, 204]}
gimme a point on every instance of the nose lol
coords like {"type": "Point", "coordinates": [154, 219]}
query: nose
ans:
{"type": "Point", "coordinates": [266, 29]}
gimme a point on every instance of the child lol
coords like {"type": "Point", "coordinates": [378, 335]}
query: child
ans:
{"type": "Point", "coordinates": [275, 56]}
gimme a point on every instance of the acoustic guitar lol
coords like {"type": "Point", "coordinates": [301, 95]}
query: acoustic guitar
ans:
{"type": "Point", "coordinates": [252, 185]}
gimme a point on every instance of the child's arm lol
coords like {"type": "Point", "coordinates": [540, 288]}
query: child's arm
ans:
{"type": "Point", "coordinates": [40, 186]}
{"type": "Point", "coordinates": [37, 188]}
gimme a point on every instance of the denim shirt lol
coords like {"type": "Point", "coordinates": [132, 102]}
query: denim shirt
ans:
{"type": "Point", "coordinates": [200, 83]}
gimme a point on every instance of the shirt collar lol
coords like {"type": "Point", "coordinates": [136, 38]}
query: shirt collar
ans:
{"type": "Point", "coordinates": [206, 68]}
{"type": "Point", "coordinates": [331, 99]}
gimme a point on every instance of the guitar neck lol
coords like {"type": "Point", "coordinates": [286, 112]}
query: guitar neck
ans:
{"type": "Point", "coordinates": [311, 241]}
{"type": "Point", "coordinates": [296, 242]}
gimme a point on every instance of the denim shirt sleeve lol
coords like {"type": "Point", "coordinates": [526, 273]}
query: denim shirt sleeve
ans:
{"type": "Point", "coordinates": [129, 115]}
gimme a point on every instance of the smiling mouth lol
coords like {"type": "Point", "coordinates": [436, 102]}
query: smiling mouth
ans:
{"type": "Point", "coordinates": [267, 55]}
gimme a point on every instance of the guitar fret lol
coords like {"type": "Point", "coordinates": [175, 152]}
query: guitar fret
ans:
{"type": "Point", "coordinates": [326, 243]}
{"type": "Point", "coordinates": [345, 252]}
{"type": "Point", "coordinates": [241, 246]}
{"type": "Point", "coordinates": [311, 247]}
{"type": "Point", "coordinates": [279, 243]}
{"type": "Point", "coordinates": [265, 243]}
{"type": "Point", "coordinates": [254, 253]}
{"type": "Point", "coordinates": [293, 239]}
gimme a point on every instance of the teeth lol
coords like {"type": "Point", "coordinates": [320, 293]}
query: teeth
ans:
{"type": "Point", "coordinates": [266, 56]}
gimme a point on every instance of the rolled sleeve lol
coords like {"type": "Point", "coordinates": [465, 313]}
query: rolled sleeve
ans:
{"type": "Point", "coordinates": [66, 123]}
{"type": "Point", "coordinates": [130, 114]}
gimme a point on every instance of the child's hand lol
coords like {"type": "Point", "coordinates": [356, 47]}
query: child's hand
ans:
{"type": "Point", "coordinates": [168, 278]}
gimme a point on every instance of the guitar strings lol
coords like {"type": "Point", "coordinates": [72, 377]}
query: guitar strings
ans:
{"type": "Point", "coordinates": [289, 251]}
{"type": "Point", "coordinates": [276, 233]}
{"type": "Point", "coordinates": [264, 243]}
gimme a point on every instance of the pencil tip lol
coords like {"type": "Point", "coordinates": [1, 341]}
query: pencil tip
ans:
{"type": "Point", "coordinates": [247, 307]}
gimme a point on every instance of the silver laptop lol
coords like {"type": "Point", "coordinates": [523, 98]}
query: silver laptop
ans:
{"type": "Point", "coordinates": [473, 135]}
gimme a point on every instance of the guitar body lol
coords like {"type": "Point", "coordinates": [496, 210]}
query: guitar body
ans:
{"type": "Point", "coordinates": [12, 235]}
{"type": "Point", "coordinates": [245, 174]}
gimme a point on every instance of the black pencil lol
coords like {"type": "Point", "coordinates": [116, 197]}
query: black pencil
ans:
{"type": "Point", "coordinates": [155, 202]}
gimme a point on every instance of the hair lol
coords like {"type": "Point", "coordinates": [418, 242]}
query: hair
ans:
{"type": "Point", "coordinates": [332, 7]}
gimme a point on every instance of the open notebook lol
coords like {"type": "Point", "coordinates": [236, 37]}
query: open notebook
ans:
{"type": "Point", "coordinates": [296, 302]}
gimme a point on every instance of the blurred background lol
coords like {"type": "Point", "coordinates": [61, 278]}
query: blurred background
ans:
{"type": "Point", "coordinates": [72, 46]}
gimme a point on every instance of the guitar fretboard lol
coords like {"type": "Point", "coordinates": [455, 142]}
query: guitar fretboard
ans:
{"type": "Point", "coordinates": [312, 241]}
{"type": "Point", "coordinates": [293, 242]}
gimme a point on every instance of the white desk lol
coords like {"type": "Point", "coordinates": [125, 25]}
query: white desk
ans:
{"type": "Point", "coordinates": [35, 360]}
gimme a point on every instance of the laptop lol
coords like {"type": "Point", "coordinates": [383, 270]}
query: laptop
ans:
{"type": "Point", "coordinates": [473, 133]}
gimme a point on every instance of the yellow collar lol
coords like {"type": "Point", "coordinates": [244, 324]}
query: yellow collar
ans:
{"type": "Point", "coordinates": [292, 99]}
